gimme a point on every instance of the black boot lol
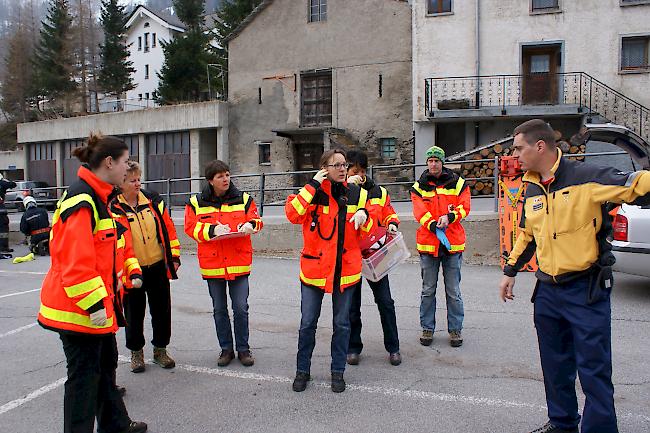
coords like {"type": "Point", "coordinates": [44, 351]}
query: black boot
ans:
{"type": "Point", "coordinates": [300, 382]}
{"type": "Point", "coordinates": [338, 384]}
{"type": "Point", "coordinates": [550, 428]}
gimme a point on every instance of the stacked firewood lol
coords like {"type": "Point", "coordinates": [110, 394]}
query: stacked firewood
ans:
{"type": "Point", "coordinates": [478, 166]}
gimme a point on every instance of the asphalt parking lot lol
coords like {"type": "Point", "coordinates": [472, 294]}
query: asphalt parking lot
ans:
{"type": "Point", "coordinates": [492, 384]}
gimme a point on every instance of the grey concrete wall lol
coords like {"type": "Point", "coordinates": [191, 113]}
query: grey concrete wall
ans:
{"type": "Point", "coordinates": [359, 41]}
{"type": "Point", "coordinates": [203, 115]}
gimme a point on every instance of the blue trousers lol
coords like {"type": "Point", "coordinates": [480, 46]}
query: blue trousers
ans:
{"type": "Point", "coordinates": [239, 298]}
{"type": "Point", "coordinates": [311, 300]}
{"type": "Point", "coordinates": [430, 267]}
{"type": "Point", "coordinates": [576, 337]}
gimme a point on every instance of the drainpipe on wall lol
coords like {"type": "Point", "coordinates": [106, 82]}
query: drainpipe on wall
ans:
{"type": "Point", "coordinates": [478, 67]}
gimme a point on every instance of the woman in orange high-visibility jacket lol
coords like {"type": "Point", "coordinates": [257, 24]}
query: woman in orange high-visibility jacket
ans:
{"type": "Point", "coordinates": [221, 220]}
{"type": "Point", "coordinates": [78, 296]}
{"type": "Point", "coordinates": [334, 219]}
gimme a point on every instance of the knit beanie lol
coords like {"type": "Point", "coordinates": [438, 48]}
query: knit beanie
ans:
{"type": "Point", "coordinates": [436, 152]}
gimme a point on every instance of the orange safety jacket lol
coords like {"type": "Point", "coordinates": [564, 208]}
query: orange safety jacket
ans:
{"type": "Point", "coordinates": [167, 237]}
{"type": "Point", "coordinates": [380, 203]}
{"type": "Point", "coordinates": [227, 258]}
{"type": "Point", "coordinates": [88, 251]}
{"type": "Point", "coordinates": [330, 259]}
{"type": "Point", "coordinates": [432, 198]}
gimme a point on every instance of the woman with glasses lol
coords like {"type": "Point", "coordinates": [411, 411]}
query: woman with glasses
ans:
{"type": "Point", "coordinates": [334, 218]}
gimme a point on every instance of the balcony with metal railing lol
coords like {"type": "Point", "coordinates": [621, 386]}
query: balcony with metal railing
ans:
{"type": "Point", "coordinates": [543, 94]}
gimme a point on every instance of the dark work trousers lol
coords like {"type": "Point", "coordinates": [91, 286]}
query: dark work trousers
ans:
{"type": "Point", "coordinates": [385, 305]}
{"type": "Point", "coordinates": [574, 336]}
{"type": "Point", "coordinates": [4, 229]}
{"type": "Point", "coordinates": [90, 391]}
{"type": "Point", "coordinates": [155, 289]}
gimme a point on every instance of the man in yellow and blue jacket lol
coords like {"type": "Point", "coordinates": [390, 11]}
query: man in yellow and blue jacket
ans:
{"type": "Point", "coordinates": [565, 222]}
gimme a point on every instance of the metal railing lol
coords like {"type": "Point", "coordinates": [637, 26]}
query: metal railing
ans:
{"type": "Point", "coordinates": [591, 96]}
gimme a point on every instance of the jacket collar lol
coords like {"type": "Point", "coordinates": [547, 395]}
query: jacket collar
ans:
{"type": "Point", "coordinates": [207, 195]}
{"type": "Point", "coordinates": [534, 177]}
{"type": "Point", "coordinates": [428, 181]}
{"type": "Point", "coordinates": [105, 191]}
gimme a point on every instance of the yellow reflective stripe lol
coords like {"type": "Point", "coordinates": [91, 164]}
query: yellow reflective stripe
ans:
{"type": "Point", "coordinates": [213, 272]}
{"type": "Point", "coordinates": [427, 248]}
{"type": "Point", "coordinates": [381, 201]}
{"type": "Point", "coordinates": [426, 217]}
{"type": "Point", "coordinates": [390, 217]}
{"type": "Point", "coordinates": [206, 232]}
{"type": "Point", "coordinates": [423, 193]}
{"type": "Point", "coordinates": [93, 298]}
{"type": "Point", "coordinates": [174, 243]}
{"type": "Point", "coordinates": [232, 208]}
{"type": "Point", "coordinates": [318, 282]}
{"type": "Point", "coordinates": [352, 208]}
{"type": "Point", "coordinates": [363, 198]}
{"type": "Point", "coordinates": [245, 197]}
{"type": "Point", "coordinates": [455, 191]}
{"type": "Point", "coordinates": [85, 287]}
{"type": "Point", "coordinates": [161, 207]}
{"type": "Point", "coordinates": [176, 252]}
{"type": "Point", "coordinates": [238, 269]}
{"type": "Point", "coordinates": [461, 210]}
{"type": "Point", "coordinates": [197, 230]}
{"type": "Point", "coordinates": [326, 210]}
{"type": "Point", "coordinates": [104, 224]}
{"type": "Point", "coordinates": [366, 227]}
{"type": "Point", "coordinates": [198, 210]}
{"type": "Point", "coordinates": [131, 264]}
{"type": "Point", "coordinates": [350, 279]}
{"type": "Point", "coordinates": [75, 200]}
{"type": "Point", "coordinates": [298, 206]}
{"type": "Point", "coordinates": [121, 242]}
{"type": "Point", "coordinates": [457, 247]}
{"type": "Point", "coordinates": [305, 194]}
{"type": "Point", "coordinates": [71, 318]}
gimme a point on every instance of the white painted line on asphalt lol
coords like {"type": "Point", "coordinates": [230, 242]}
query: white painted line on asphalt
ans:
{"type": "Point", "coordinates": [31, 396]}
{"type": "Point", "coordinates": [17, 330]}
{"type": "Point", "coordinates": [4, 271]}
{"type": "Point", "coordinates": [19, 293]}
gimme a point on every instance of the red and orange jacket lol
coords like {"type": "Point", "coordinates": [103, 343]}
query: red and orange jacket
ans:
{"type": "Point", "coordinates": [433, 197]}
{"type": "Point", "coordinates": [88, 251]}
{"type": "Point", "coordinates": [380, 206]}
{"type": "Point", "coordinates": [167, 237]}
{"type": "Point", "coordinates": [330, 259]}
{"type": "Point", "coordinates": [228, 258]}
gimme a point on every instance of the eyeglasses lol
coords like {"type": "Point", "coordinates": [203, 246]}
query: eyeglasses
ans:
{"type": "Point", "coordinates": [339, 165]}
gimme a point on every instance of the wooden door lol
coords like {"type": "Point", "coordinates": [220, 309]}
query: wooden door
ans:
{"type": "Point", "coordinates": [540, 75]}
{"type": "Point", "coordinates": [307, 157]}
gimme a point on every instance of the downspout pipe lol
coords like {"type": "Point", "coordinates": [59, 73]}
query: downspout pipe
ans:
{"type": "Point", "coordinates": [477, 42]}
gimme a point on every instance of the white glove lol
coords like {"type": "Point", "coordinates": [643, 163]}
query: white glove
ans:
{"type": "Point", "coordinates": [221, 229]}
{"type": "Point", "coordinates": [392, 228]}
{"type": "Point", "coordinates": [246, 228]}
{"type": "Point", "coordinates": [356, 179]}
{"type": "Point", "coordinates": [136, 283]}
{"type": "Point", "coordinates": [320, 175]}
{"type": "Point", "coordinates": [98, 318]}
{"type": "Point", "coordinates": [359, 218]}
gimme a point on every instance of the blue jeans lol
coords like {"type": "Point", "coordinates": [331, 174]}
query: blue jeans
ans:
{"type": "Point", "coordinates": [311, 300]}
{"type": "Point", "coordinates": [239, 298]}
{"type": "Point", "coordinates": [430, 266]}
{"type": "Point", "coordinates": [385, 305]}
{"type": "Point", "coordinates": [575, 336]}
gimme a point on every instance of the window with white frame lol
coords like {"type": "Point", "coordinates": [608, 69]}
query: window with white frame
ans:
{"type": "Point", "coordinates": [264, 151]}
{"type": "Point", "coordinates": [388, 147]}
{"type": "Point", "coordinates": [435, 7]}
{"type": "Point", "coordinates": [544, 5]}
{"type": "Point", "coordinates": [634, 53]}
{"type": "Point", "coordinates": [146, 42]}
{"type": "Point", "coordinates": [146, 72]}
{"type": "Point", "coordinates": [139, 43]}
{"type": "Point", "coordinates": [317, 10]}
{"type": "Point", "coordinates": [153, 40]}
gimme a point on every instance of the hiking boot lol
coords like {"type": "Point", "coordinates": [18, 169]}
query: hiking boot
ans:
{"type": "Point", "coordinates": [137, 361]}
{"type": "Point", "coordinates": [353, 358]}
{"type": "Point", "coordinates": [455, 339]}
{"type": "Point", "coordinates": [225, 357]}
{"type": "Point", "coordinates": [136, 427]}
{"type": "Point", "coordinates": [300, 382]}
{"type": "Point", "coordinates": [162, 358]}
{"type": "Point", "coordinates": [550, 428]}
{"type": "Point", "coordinates": [427, 337]}
{"type": "Point", "coordinates": [338, 384]}
{"type": "Point", "coordinates": [395, 358]}
{"type": "Point", "coordinates": [246, 358]}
